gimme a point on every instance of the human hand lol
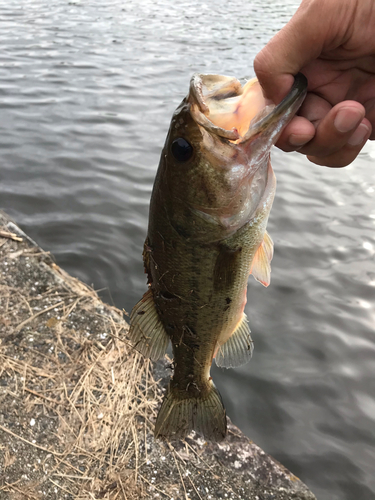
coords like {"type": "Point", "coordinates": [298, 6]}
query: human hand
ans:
{"type": "Point", "coordinates": [332, 43]}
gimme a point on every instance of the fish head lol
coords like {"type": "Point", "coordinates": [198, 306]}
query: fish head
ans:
{"type": "Point", "coordinates": [215, 163]}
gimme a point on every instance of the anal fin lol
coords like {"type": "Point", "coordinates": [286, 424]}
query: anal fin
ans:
{"type": "Point", "coordinates": [146, 330]}
{"type": "Point", "coordinates": [238, 349]}
{"type": "Point", "coordinates": [261, 264]}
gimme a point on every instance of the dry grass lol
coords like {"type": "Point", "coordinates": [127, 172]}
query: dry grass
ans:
{"type": "Point", "coordinates": [98, 390]}
{"type": "Point", "coordinates": [77, 402]}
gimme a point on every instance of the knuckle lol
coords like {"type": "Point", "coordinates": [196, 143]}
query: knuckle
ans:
{"type": "Point", "coordinates": [261, 65]}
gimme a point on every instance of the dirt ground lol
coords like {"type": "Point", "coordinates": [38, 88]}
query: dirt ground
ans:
{"type": "Point", "coordinates": [78, 404]}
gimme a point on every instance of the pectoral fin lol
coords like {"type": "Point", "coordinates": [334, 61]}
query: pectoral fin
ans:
{"type": "Point", "coordinates": [238, 349]}
{"type": "Point", "coordinates": [146, 330]}
{"type": "Point", "coordinates": [261, 265]}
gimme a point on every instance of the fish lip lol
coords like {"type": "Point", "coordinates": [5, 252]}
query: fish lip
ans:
{"type": "Point", "coordinates": [274, 120]}
{"type": "Point", "coordinates": [200, 110]}
{"type": "Point", "coordinates": [282, 113]}
{"type": "Point", "coordinates": [196, 92]}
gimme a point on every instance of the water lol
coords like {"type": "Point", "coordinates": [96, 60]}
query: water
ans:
{"type": "Point", "coordinates": [87, 90]}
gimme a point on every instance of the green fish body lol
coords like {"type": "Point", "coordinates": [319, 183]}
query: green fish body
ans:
{"type": "Point", "coordinates": [207, 233]}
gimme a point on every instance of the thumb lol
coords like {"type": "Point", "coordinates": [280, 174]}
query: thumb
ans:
{"type": "Point", "coordinates": [315, 27]}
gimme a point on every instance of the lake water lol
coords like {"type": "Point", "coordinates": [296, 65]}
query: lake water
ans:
{"type": "Point", "coordinates": [87, 90]}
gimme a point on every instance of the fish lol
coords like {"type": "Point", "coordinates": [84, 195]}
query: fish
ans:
{"type": "Point", "coordinates": [209, 209]}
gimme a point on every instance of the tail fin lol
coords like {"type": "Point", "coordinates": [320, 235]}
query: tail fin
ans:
{"type": "Point", "coordinates": [179, 416]}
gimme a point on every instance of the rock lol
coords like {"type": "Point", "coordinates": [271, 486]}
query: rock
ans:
{"type": "Point", "coordinates": [78, 404]}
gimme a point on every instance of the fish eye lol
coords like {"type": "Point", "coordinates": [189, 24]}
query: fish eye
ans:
{"type": "Point", "coordinates": [181, 149]}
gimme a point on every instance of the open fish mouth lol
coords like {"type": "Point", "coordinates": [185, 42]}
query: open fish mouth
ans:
{"type": "Point", "coordinates": [239, 113]}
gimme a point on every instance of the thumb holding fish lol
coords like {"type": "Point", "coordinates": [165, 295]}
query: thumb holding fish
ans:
{"type": "Point", "coordinates": [332, 43]}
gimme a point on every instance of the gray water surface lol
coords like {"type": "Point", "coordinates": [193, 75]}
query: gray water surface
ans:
{"type": "Point", "coordinates": [87, 90]}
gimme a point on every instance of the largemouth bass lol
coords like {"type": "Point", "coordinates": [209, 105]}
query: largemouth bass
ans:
{"type": "Point", "coordinates": [209, 209]}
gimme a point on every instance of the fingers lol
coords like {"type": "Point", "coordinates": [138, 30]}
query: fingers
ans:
{"type": "Point", "coordinates": [299, 132]}
{"type": "Point", "coordinates": [334, 127]}
{"type": "Point", "coordinates": [347, 153]}
{"type": "Point", "coordinates": [302, 129]}
{"type": "Point", "coordinates": [330, 136]}
{"type": "Point", "coordinates": [339, 136]}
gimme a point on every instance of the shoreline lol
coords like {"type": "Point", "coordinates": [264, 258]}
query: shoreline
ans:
{"type": "Point", "coordinates": [78, 404]}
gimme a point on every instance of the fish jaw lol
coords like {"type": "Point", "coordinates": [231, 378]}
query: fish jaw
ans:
{"type": "Point", "coordinates": [225, 103]}
{"type": "Point", "coordinates": [239, 153]}
{"type": "Point", "coordinates": [220, 104]}
{"type": "Point", "coordinates": [217, 189]}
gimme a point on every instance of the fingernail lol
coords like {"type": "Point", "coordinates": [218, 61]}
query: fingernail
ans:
{"type": "Point", "coordinates": [359, 135]}
{"type": "Point", "coordinates": [347, 119]}
{"type": "Point", "coordinates": [298, 140]}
